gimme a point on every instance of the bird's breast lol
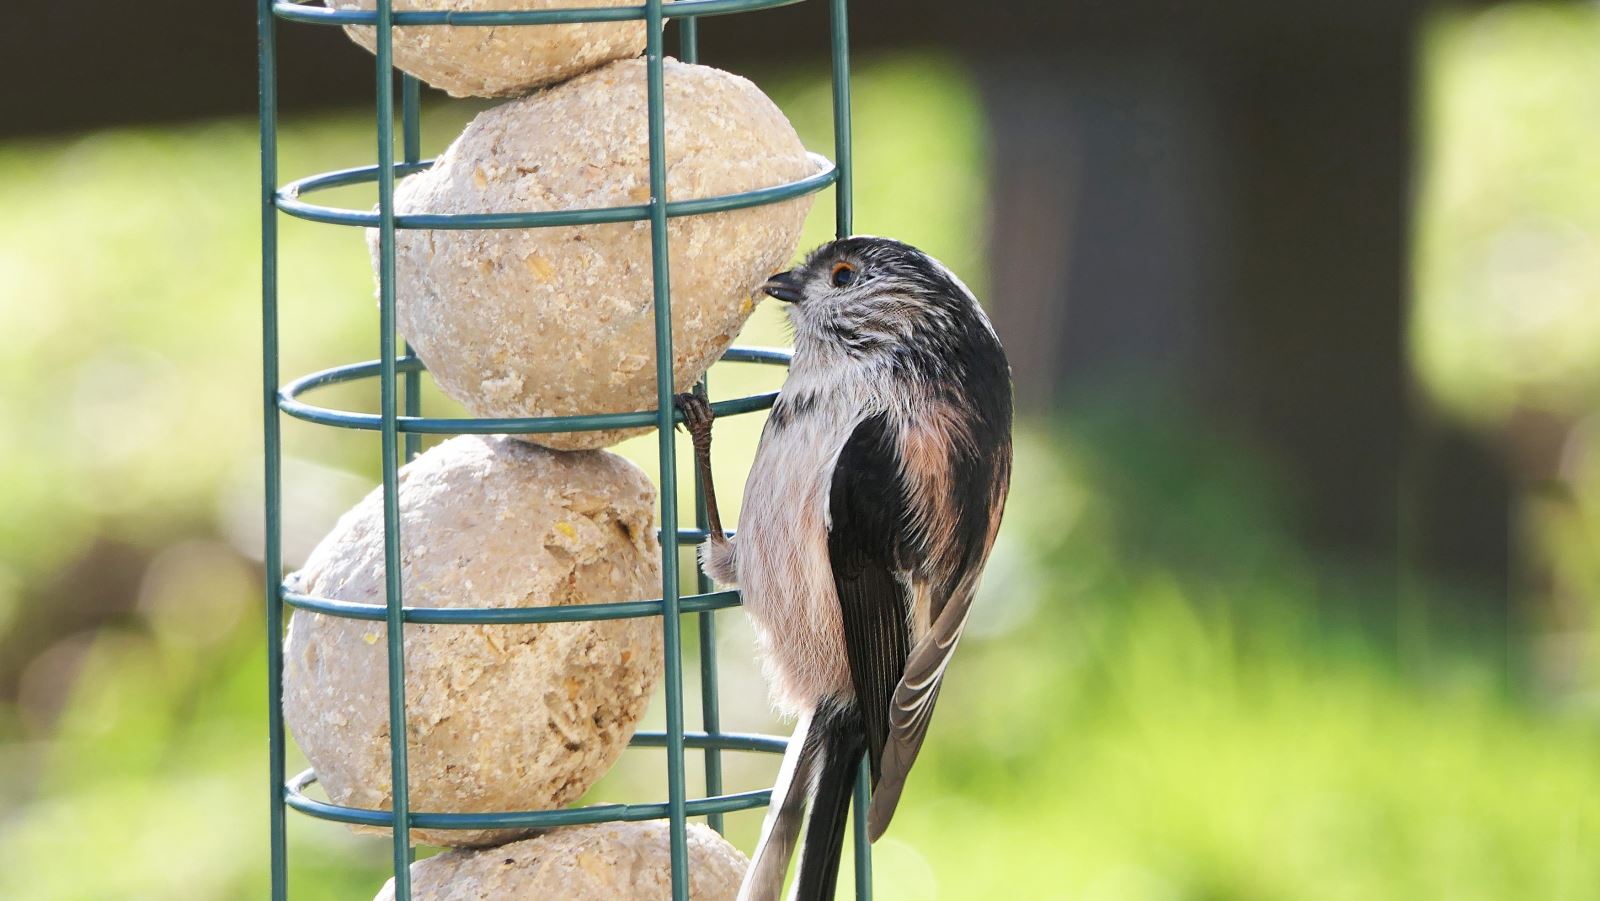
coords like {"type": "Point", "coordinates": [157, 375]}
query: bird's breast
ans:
{"type": "Point", "coordinates": [783, 565]}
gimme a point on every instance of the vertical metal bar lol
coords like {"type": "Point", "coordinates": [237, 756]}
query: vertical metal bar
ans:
{"type": "Point", "coordinates": [411, 126]}
{"type": "Point", "coordinates": [843, 191]}
{"type": "Point", "coordinates": [272, 553]}
{"type": "Point", "coordinates": [411, 117]}
{"type": "Point", "coordinates": [689, 39]}
{"type": "Point", "coordinates": [839, 22]}
{"type": "Point", "coordinates": [710, 708]}
{"type": "Point", "coordinates": [660, 275]}
{"type": "Point", "coordinates": [399, 776]}
{"type": "Point", "coordinates": [863, 846]}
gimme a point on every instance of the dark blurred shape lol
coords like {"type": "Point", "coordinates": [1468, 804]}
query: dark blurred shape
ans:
{"type": "Point", "coordinates": [97, 588]}
{"type": "Point", "coordinates": [1211, 199]}
{"type": "Point", "coordinates": [93, 63]}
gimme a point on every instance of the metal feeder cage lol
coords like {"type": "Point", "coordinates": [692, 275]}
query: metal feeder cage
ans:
{"type": "Point", "coordinates": [400, 425]}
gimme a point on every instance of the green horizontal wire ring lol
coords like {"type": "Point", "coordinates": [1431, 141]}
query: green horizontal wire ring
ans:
{"type": "Point", "coordinates": [566, 816]}
{"type": "Point", "coordinates": [289, 201]}
{"type": "Point", "coordinates": [682, 9]}
{"type": "Point", "coordinates": [289, 402]}
{"type": "Point", "coordinates": [564, 613]}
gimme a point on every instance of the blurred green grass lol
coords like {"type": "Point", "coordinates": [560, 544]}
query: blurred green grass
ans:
{"type": "Point", "coordinates": [1157, 700]}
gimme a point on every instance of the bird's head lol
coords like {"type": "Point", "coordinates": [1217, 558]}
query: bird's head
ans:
{"type": "Point", "coordinates": [862, 296]}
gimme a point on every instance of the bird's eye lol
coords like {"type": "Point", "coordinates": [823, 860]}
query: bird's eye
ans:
{"type": "Point", "coordinates": [844, 275]}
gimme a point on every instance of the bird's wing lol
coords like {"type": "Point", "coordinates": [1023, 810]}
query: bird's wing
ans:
{"type": "Point", "coordinates": [977, 482]}
{"type": "Point", "coordinates": [866, 546]}
{"type": "Point", "coordinates": [911, 709]}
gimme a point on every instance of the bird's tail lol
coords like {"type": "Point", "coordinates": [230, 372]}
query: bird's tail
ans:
{"type": "Point", "coordinates": [821, 765]}
{"type": "Point", "coordinates": [840, 741]}
{"type": "Point", "coordinates": [764, 880]}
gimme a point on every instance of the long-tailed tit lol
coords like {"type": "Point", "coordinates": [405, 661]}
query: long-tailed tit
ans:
{"type": "Point", "coordinates": [870, 510]}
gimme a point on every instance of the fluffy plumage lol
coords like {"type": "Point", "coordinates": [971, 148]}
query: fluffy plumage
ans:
{"type": "Point", "coordinates": [869, 513]}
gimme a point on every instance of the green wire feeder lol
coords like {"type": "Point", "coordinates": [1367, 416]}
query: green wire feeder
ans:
{"type": "Point", "coordinates": [393, 424]}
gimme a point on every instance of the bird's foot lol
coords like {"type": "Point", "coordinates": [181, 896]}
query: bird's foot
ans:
{"type": "Point", "coordinates": [695, 409]}
{"type": "Point", "coordinates": [697, 415]}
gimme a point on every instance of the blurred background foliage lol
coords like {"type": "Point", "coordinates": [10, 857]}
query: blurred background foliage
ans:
{"type": "Point", "coordinates": [1507, 273]}
{"type": "Point", "coordinates": [1164, 695]}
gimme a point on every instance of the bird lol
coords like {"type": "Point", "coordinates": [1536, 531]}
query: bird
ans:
{"type": "Point", "coordinates": [870, 510]}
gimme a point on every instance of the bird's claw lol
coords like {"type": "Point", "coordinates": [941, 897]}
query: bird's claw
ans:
{"type": "Point", "coordinates": [696, 411]}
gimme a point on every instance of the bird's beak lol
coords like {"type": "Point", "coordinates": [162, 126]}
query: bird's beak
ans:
{"type": "Point", "coordinates": [785, 286]}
